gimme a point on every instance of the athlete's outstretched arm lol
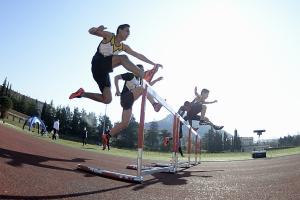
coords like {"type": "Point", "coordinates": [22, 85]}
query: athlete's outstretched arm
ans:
{"type": "Point", "coordinates": [196, 92]}
{"type": "Point", "coordinates": [139, 56]}
{"type": "Point", "coordinates": [117, 78]}
{"type": "Point", "coordinates": [210, 102]}
{"type": "Point", "coordinates": [99, 31]}
{"type": "Point", "coordinates": [156, 80]}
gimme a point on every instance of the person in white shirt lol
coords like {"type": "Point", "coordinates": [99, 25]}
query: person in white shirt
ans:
{"type": "Point", "coordinates": [132, 90]}
{"type": "Point", "coordinates": [55, 129]}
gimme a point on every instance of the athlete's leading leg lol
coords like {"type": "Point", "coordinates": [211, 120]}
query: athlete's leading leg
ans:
{"type": "Point", "coordinates": [123, 60]}
{"type": "Point", "coordinates": [105, 97]}
{"type": "Point", "coordinates": [203, 112]}
{"type": "Point", "coordinates": [157, 106]}
{"type": "Point", "coordinates": [126, 116]}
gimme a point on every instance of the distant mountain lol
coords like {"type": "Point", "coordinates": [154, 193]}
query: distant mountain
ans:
{"type": "Point", "coordinates": [167, 124]}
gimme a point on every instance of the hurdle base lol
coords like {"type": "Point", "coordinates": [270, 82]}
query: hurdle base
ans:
{"type": "Point", "coordinates": [259, 154]}
{"type": "Point", "coordinates": [111, 174]}
{"type": "Point", "coordinates": [147, 170]}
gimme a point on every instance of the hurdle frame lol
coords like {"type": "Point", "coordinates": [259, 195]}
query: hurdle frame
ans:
{"type": "Point", "coordinates": [172, 167]}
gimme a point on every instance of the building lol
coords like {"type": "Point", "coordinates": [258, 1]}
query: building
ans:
{"type": "Point", "coordinates": [246, 143]}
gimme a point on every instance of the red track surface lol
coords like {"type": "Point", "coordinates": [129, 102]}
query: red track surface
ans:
{"type": "Point", "coordinates": [31, 168]}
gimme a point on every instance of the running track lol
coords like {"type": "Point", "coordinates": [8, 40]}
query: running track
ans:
{"type": "Point", "coordinates": [31, 168]}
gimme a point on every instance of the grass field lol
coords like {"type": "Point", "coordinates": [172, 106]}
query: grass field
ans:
{"type": "Point", "coordinates": [153, 155]}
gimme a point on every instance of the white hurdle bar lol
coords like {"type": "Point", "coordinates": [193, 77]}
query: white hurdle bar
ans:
{"type": "Point", "coordinates": [110, 174]}
{"type": "Point", "coordinates": [143, 170]}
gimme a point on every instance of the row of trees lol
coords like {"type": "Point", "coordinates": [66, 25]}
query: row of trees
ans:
{"type": "Point", "coordinates": [289, 140]}
{"type": "Point", "coordinates": [219, 141]}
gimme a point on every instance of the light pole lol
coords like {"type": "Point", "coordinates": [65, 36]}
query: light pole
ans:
{"type": "Point", "coordinates": [259, 153]}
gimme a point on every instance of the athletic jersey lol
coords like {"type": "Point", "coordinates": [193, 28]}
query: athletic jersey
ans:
{"type": "Point", "coordinates": [195, 109]}
{"type": "Point", "coordinates": [131, 82]}
{"type": "Point", "coordinates": [181, 111]}
{"type": "Point", "coordinates": [110, 48]}
{"type": "Point", "coordinates": [197, 100]}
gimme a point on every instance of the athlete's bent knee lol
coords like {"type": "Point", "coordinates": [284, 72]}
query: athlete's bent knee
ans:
{"type": "Point", "coordinates": [124, 124]}
{"type": "Point", "coordinates": [107, 100]}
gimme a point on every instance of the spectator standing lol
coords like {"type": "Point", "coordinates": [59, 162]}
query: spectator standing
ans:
{"type": "Point", "coordinates": [55, 129]}
{"type": "Point", "coordinates": [84, 136]}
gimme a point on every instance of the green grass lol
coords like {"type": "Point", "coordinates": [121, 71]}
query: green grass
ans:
{"type": "Point", "coordinates": [228, 156]}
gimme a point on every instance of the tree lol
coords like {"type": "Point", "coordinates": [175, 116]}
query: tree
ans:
{"type": "Point", "coordinates": [288, 141]}
{"type": "Point", "coordinates": [22, 104]}
{"type": "Point", "coordinates": [152, 137]}
{"type": "Point", "coordinates": [3, 88]}
{"type": "Point", "coordinates": [75, 122]}
{"type": "Point", "coordinates": [7, 93]}
{"type": "Point", "coordinates": [65, 120]}
{"type": "Point", "coordinates": [32, 108]}
{"type": "Point", "coordinates": [9, 90]}
{"type": "Point", "coordinates": [128, 137]}
{"type": "Point", "coordinates": [47, 115]}
{"type": "Point", "coordinates": [212, 141]}
{"type": "Point", "coordinates": [236, 141]}
{"type": "Point", "coordinates": [5, 105]}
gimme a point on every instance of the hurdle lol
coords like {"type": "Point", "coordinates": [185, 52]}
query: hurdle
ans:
{"type": "Point", "coordinates": [141, 170]}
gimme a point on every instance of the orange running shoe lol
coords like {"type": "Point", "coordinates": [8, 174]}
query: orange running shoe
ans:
{"type": "Point", "coordinates": [157, 107]}
{"type": "Point", "coordinates": [150, 73]}
{"type": "Point", "coordinates": [77, 94]}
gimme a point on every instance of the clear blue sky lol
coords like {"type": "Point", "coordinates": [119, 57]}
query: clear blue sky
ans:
{"type": "Point", "coordinates": [245, 52]}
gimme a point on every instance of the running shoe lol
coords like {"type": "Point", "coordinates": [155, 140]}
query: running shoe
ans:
{"type": "Point", "coordinates": [202, 122]}
{"type": "Point", "coordinates": [150, 73]}
{"type": "Point", "coordinates": [157, 107]}
{"type": "Point", "coordinates": [180, 151]}
{"type": "Point", "coordinates": [217, 127]}
{"type": "Point", "coordinates": [77, 94]}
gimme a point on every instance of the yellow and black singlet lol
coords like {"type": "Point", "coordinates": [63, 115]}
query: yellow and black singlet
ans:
{"type": "Point", "coordinates": [110, 48]}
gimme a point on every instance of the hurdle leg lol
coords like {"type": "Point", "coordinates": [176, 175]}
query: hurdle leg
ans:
{"type": "Point", "coordinates": [175, 145]}
{"type": "Point", "coordinates": [141, 134]}
{"type": "Point", "coordinates": [196, 150]}
{"type": "Point", "coordinates": [189, 147]}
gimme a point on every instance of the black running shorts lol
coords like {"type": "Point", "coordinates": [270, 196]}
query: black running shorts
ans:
{"type": "Point", "coordinates": [101, 67]}
{"type": "Point", "coordinates": [195, 110]}
{"type": "Point", "coordinates": [127, 100]}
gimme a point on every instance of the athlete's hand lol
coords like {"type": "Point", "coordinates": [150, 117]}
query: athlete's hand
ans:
{"type": "Point", "coordinates": [118, 93]}
{"type": "Point", "coordinates": [160, 78]}
{"type": "Point", "coordinates": [102, 28]}
{"type": "Point", "coordinates": [159, 65]}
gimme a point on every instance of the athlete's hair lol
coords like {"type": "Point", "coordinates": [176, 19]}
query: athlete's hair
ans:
{"type": "Point", "coordinates": [204, 91]}
{"type": "Point", "coordinates": [122, 26]}
{"type": "Point", "coordinates": [187, 103]}
{"type": "Point", "coordinates": [140, 66]}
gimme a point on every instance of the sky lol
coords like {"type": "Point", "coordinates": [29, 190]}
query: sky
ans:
{"type": "Point", "coordinates": [245, 52]}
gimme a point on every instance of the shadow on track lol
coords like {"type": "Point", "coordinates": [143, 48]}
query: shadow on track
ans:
{"type": "Point", "coordinates": [18, 159]}
{"type": "Point", "coordinates": [79, 194]}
